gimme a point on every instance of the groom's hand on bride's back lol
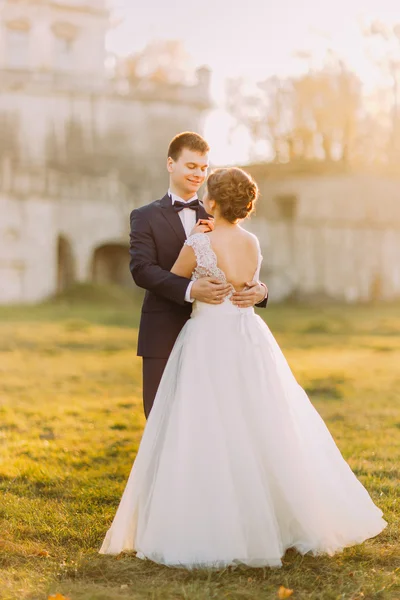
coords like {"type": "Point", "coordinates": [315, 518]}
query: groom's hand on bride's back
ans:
{"type": "Point", "coordinates": [254, 293]}
{"type": "Point", "coordinates": [209, 290]}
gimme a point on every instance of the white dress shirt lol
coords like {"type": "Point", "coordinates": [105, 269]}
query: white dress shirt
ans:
{"type": "Point", "coordinates": [188, 218]}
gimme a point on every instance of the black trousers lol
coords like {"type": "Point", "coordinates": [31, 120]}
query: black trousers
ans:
{"type": "Point", "coordinates": [153, 368]}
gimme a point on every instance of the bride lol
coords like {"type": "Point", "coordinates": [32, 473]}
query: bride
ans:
{"type": "Point", "coordinates": [235, 464]}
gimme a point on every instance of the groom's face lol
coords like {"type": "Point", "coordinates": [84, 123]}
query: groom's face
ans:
{"type": "Point", "coordinates": [188, 172]}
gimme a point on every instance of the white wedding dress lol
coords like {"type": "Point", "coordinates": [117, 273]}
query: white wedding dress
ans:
{"type": "Point", "coordinates": [235, 464]}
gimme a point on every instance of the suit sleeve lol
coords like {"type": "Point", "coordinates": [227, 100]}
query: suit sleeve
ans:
{"type": "Point", "coordinates": [146, 271]}
{"type": "Point", "coordinates": [263, 303]}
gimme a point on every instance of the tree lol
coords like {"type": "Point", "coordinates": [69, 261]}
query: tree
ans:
{"type": "Point", "coordinates": [162, 61]}
{"type": "Point", "coordinates": [385, 52]}
{"type": "Point", "coordinates": [308, 117]}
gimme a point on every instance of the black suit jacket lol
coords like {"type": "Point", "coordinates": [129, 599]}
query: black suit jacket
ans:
{"type": "Point", "coordinates": [156, 239]}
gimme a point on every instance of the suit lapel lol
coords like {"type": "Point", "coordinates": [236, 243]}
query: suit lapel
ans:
{"type": "Point", "coordinates": [173, 218]}
{"type": "Point", "coordinates": [201, 213]}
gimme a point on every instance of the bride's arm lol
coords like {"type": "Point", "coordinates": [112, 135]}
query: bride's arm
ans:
{"type": "Point", "coordinates": [185, 263]}
{"type": "Point", "coordinates": [204, 289]}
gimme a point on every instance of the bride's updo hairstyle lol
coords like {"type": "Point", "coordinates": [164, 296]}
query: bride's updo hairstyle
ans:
{"type": "Point", "coordinates": [234, 191]}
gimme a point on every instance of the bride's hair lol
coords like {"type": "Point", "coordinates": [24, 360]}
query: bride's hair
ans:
{"type": "Point", "coordinates": [234, 191]}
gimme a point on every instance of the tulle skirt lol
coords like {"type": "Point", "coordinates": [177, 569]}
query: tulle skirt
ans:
{"type": "Point", "coordinates": [235, 464]}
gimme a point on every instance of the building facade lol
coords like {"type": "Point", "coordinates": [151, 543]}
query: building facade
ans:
{"type": "Point", "coordinates": [329, 235]}
{"type": "Point", "coordinates": [78, 148]}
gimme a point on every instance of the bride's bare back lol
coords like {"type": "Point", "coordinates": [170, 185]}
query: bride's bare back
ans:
{"type": "Point", "coordinates": [237, 254]}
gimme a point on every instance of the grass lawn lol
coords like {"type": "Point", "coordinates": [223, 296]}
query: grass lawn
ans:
{"type": "Point", "coordinates": [71, 422]}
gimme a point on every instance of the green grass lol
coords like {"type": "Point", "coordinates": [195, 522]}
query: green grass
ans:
{"type": "Point", "coordinates": [71, 422]}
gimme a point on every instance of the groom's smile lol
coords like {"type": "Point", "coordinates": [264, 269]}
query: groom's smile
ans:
{"type": "Point", "coordinates": [187, 173]}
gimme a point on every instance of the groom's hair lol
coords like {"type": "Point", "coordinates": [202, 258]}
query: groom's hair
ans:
{"type": "Point", "coordinates": [187, 139]}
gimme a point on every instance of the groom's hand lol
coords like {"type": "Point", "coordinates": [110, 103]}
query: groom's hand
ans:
{"type": "Point", "coordinates": [209, 290]}
{"type": "Point", "coordinates": [203, 226]}
{"type": "Point", "coordinates": [253, 293]}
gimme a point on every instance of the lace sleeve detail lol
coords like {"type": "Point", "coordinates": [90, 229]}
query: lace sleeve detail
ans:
{"type": "Point", "coordinates": [201, 246]}
{"type": "Point", "coordinates": [205, 257]}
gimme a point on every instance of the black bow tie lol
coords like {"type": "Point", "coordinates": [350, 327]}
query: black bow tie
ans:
{"type": "Point", "coordinates": [178, 206]}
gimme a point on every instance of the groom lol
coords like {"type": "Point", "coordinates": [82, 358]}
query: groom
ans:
{"type": "Point", "coordinates": [158, 232]}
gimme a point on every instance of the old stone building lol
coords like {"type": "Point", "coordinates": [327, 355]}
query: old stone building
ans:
{"type": "Point", "coordinates": [328, 233]}
{"type": "Point", "coordinates": [78, 148]}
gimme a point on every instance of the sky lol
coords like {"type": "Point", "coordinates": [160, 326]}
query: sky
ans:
{"type": "Point", "coordinates": [252, 39]}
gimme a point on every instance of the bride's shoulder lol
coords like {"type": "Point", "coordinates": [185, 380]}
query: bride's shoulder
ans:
{"type": "Point", "coordinates": [197, 239]}
{"type": "Point", "coordinates": [250, 237]}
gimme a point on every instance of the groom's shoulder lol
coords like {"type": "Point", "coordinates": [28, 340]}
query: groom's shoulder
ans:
{"type": "Point", "coordinates": [147, 209]}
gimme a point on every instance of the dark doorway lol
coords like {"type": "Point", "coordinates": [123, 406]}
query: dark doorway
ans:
{"type": "Point", "coordinates": [111, 265]}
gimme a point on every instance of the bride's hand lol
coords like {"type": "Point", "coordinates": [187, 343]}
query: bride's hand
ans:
{"type": "Point", "coordinates": [253, 293]}
{"type": "Point", "coordinates": [203, 226]}
{"type": "Point", "coordinates": [209, 290]}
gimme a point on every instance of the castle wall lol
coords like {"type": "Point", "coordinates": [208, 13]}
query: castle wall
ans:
{"type": "Point", "coordinates": [39, 207]}
{"type": "Point", "coordinates": [342, 241]}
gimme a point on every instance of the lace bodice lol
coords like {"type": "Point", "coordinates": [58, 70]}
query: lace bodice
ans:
{"type": "Point", "coordinates": [207, 260]}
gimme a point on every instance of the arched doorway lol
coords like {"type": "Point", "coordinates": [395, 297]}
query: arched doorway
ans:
{"type": "Point", "coordinates": [111, 265]}
{"type": "Point", "coordinates": [65, 264]}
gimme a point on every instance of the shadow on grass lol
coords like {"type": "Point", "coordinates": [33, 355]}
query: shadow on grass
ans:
{"type": "Point", "coordinates": [82, 305]}
{"type": "Point", "coordinates": [327, 388]}
{"type": "Point", "coordinates": [310, 577]}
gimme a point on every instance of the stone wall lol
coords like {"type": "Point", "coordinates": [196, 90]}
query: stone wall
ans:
{"type": "Point", "coordinates": [110, 124]}
{"type": "Point", "coordinates": [330, 236]}
{"type": "Point", "coordinates": [45, 26]}
{"type": "Point", "coordinates": [39, 209]}
{"type": "Point", "coordinates": [320, 236]}
{"type": "Point", "coordinates": [73, 141]}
